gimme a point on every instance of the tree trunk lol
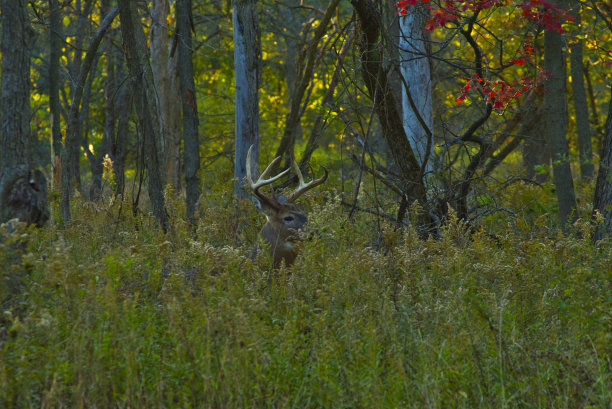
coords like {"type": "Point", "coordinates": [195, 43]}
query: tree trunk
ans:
{"type": "Point", "coordinates": [247, 71]}
{"type": "Point", "coordinates": [123, 106]}
{"type": "Point", "coordinates": [110, 92]}
{"type": "Point", "coordinates": [555, 115]}
{"type": "Point", "coordinates": [190, 107]}
{"type": "Point", "coordinates": [93, 156]}
{"type": "Point", "coordinates": [581, 108]}
{"type": "Point", "coordinates": [16, 45]}
{"type": "Point", "coordinates": [536, 154]}
{"type": "Point", "coordinates": [135, 46]}
{"type": "Point", "coordinates": [603, 187]}
{"type": "Point", "coordinates": [416, 91]}
{"type": "Point", "coordinates": [73, 133]}
{"type": "Point", "coordinates": [55, 39]}
{"type": "Point", "coordinates": [293, 45]}
{"type": "Point", "coordinates": [594, 118]}
{"type": "Point", "coordinates": [368, 32]}
{"type": "Point", "coordinates": [23, 191]}
{"type": "Point", "coordinates": [173, 121]}
{"type": "Point", "coordinates": [165, 71]}
{"type": "Point", "coordinates": [72, 144]}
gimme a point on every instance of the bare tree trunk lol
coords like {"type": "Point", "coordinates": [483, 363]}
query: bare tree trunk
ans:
{"type": "Point", "coordinates": [594, 118]}
{"type": "Point", "coordinates": [555, 115]}
{"type": "Point", "coordinates": [73, 132]}
{"type": "Point", "coordinates": [535, 149]}
{"type": "Point", "coordinates": [110, 92]}
{"type": "Point", "coordinates": [16, 42]}
{"type": "Point", "coordinates": [536, 154]}
{"type": "Point", "coordinates": [55, 38]}
{"type": "Point", "coordinates": [581, 108]}
{"type": "Point", "coordinates": [165, 73]}
{"type": "Point", "coordinates": [123, 106]}
{"type": "Point", "coordinates": [190, 107]}
{"type": "Point", "coordinates": [134, 43]}
{"type": "Point", "coordinates": [72, 144]}
{"type": "Point", "coordinates": [293, 46]}
{"type": "Point", "coordinates": [95, 160]}
{"type": "Point", "coordinates": [416, 91]}
{"type": "Point", "coordinates": [603, 188]}
{"type": "Point", "coordinates": [247, 52]}
{"type": "Point", "coordinates": [23, 191]}
{"type": "Point", "coordinates": [368, 33]}
{"type": "Point", "coordinates": [173, 121]}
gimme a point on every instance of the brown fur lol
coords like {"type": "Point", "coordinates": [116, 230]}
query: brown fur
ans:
{"type": "Point", "coordinates": [281, 232]}
{"type": "Point", "coordinates": [284, 218]}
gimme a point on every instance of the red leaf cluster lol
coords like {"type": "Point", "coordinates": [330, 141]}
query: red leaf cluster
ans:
{"type": "Point", "coordinates": [401, 5]}
{"type": "Point", "coordinates": [543, 12]}
{"type": "Point", "coordinates": [546, 13]}
{"type": "Point", "coordinates": [449, 10]}
{"type": "Point", "coordinates": [498, 93]}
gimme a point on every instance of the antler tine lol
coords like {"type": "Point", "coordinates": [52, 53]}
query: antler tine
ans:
{"type": "Point", "coordinates": [261, 180]}
{"type": "Point", "coordinates": [302, 186]}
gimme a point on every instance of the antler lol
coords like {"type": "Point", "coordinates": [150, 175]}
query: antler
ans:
{"type": "Point", "coordinates": [261, 181]}
{"type": "Point", "coordinates": [304, 187]}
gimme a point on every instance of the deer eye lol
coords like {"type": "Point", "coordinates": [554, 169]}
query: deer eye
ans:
{"type": "Point", "coordinates": [288, 218]}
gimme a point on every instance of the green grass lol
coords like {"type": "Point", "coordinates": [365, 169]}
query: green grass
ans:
{"type": "Point", "coordinates": [116, 314]}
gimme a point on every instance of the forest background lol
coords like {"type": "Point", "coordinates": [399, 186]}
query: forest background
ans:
{"type": "Point", "coordinates": [457, 256]}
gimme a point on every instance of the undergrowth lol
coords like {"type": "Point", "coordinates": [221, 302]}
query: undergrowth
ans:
{"type": "Point", "coordinates": [113, 313]}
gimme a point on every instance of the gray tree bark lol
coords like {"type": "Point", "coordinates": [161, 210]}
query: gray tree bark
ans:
{"type": "Point", "coordinates": [55, 39]}
{"type": "Point", "coordinates": [123, 105]}
{"type": "Point", "coordinates": [167, 84]}
{"type": "Point", "coordinates": [137, 56]}
{"type": "Point", "coordinates": [190, 107]}
{"type": "Point", "coordinates": [173, 121]}
{"type": "Point", "coordinates": [581, 108]}
{"type": "Point", "coordinates": [536, 153]}
{"type": "Point", "coordinates": [23, 191]}
{"type": "Point", "coordinates": [159, 48]}
{"type": "Point", "coordinates": [247, 71]}
{"type": "Point", "coordinates": [367, 33]}
{"type": "Point", "coordinates": [96, 156]}
{"type": "Point", "coordinates": [83, 10]}
{"type": "Point", "coordinates": [555, 115]}
{"type": "Point", "coordinates": [97, 159]}
{"type": "Point", "coordinates": [16, 44]}
{"type": "Point", "coordinates": [603, 187]}
{"type": "Point", "coordinates": [416, 91]}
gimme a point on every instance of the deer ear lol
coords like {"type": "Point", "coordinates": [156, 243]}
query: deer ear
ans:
{"type": "Point", "coordinates": [262, 207]}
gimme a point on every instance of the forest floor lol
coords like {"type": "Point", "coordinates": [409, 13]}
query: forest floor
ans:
{"type": "Point", "coordinates": [113, 313]}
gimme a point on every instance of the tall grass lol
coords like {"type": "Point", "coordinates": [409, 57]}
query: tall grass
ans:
{"type": "Point", "coordinates": [115, 314]}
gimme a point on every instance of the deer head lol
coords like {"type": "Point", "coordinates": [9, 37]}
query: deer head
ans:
{"type": "Point", "coordinates": [284, 219]}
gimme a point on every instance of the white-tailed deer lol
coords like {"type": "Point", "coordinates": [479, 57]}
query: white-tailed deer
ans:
{"type": "Point", "coordinates": [284, 218]}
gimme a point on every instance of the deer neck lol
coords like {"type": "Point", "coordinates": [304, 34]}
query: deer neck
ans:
{"type": "Point", "coordinates": [283, 243]}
